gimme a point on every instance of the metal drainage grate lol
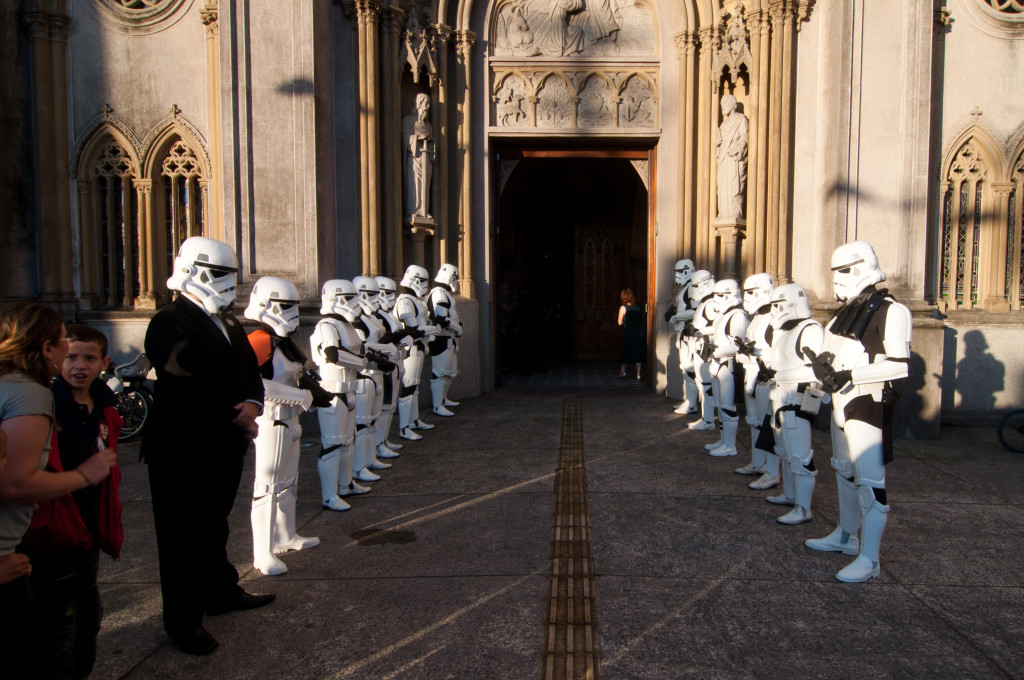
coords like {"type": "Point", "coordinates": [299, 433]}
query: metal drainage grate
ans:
{"type": "Point", "coordinates": [570, 641]}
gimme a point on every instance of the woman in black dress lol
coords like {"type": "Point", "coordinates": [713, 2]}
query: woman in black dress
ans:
{"type": "Point", "coordinates": [634, 340]}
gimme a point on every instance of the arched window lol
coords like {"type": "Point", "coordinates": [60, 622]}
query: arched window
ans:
{"type": "Point", "coordinates": [183, 197]}
{"type": "Point", "coordinates": [982, 233]}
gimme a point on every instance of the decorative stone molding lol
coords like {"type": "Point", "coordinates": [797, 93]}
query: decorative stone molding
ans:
{"type": "Point", "coordinates": [419, 48]}
{"type": "Point", "coordinates": [138, 17]}
{"type": "Point", "coordinates": [209, 15]}
{"type": "Point", "coordinates": [176, 122]}
{"type": "Point", "coordinates": [556, 29]}
{"type": "Point", "coordinates": [733, 52]}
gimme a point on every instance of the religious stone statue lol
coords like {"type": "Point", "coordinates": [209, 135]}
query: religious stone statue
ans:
{"type": "Point", "coordinates": [419, 158]}
{"type": "Point", "coordinates": [731, 152]}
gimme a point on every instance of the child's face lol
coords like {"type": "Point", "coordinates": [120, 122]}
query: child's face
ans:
{"type": "Point", "coordinates": [83, 364]}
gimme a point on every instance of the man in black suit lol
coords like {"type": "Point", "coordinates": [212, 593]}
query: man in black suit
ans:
{"type": "Point", "coordinates": [207, 396]}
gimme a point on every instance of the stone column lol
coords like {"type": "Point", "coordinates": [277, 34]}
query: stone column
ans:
{"type": "Point", "coordinates": [705, 133]}
{"type": "Point", "coordinates": [47, 257]}
{"type": "Point", "coordinates": [686, 44]}
{"type": "Point", "coordinates": [440, 39]}
{"type": "Point", "coordinates": [147, 251]}
{"type": "Point", "coordinates": [757, 168]}
{"type": "Point", "coordinates": [214, 198]}
{"type": "Point", "coordinates": [786, 140]}
{"type": "Point", "coordinates": [465, 40]}
{"type": "Point", "coordinates": [992, 290]}
{"type": "Point", "coordinates": [391, 147]}
{"type": "Point", "coordinates": [59, 23]}
{"type": "Point", "coordinates": [90, 298]}
{"type": "Point", "coordinates": [773, 226]}
{"type": "Point", "coordinates": [368, 12]}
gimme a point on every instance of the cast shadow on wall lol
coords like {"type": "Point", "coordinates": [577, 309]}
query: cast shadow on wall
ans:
{"type": "Point", "coordinates": [970, 395]}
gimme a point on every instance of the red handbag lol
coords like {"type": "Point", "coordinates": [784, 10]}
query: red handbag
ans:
{"type": "Point", "coordinates": [57, 524]}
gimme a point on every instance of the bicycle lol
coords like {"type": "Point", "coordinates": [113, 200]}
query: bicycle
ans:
{"type": "Point", "coordinates": [1011, 431]}
{"type": "Point", "coordinates": [134, 398]}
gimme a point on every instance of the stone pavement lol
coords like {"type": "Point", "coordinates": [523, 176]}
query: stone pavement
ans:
{"type": "Point", "coordinates": [442, 571]}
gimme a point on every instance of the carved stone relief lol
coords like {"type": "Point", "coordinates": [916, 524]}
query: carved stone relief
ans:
{"type": "Point", "coordinates": [553, 106]}
{"type": "Point", "coordinates": [568, 28]}
{"type": "Point", "coordinates": [511, 103]}
{"type": "Point", "coordinates": [637, 107]}
{"type": "Point", "coordinates": [595, 104]}
{"type": "Point", "coordinates": [600, 98]}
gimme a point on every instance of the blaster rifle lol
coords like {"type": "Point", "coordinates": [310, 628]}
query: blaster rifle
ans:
{"type": "Point", "coordinates": [383, 363]}
{"type": "Point", "coordinates": [831, 380]}
{"type": "Point", "coordinates": [309, 380]}
{"type": "Point", "coordinates": [745, 347]}
{"type": "Point", "coordinates": [764, 374]}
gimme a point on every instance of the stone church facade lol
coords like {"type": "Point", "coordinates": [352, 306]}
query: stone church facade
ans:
{"type": "Point", "coordinates": [566, 148]}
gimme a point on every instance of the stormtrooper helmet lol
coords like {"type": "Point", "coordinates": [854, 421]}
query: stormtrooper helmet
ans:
{"type": "Point", "coordinates": [854, 268]}
{"type": "Point", "coordinates": [275, 302]}
{"type": "Point", "coordinates": [789, 302]}
{"type": "Point", "coordinates": [416, 279]}
{"type": "Point", "coordinates": [757, 292]}
{"type": "Point", "coordinates": [448, 274]}
{"type": "Point", "coordinates": [368, 291]}
{"type": "Point", "coordinates": [205, 269]}
{"type": "Point", "coordinates": [684, 271]}
{"type": "Point", "coordinates": [727, 295]}
{"type": "Point", "coordinates": [702, 284]}
{"type": "Point", "coordinates": [387, 293]}
{"type": "Point", "coordinates": [340, 297]}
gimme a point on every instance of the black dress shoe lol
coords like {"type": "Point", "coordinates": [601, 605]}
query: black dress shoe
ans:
{"type": "Point", "coordinates": [243, 602]}
{"type": "Point", "coordinates": [196, 641]}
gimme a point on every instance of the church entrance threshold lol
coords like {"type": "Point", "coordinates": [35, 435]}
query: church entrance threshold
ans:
{"type": "Point", "coordinates": [573, 232]}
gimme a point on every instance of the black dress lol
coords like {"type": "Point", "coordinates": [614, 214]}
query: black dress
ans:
{"type": "Point", "coordinates": [634, 336]}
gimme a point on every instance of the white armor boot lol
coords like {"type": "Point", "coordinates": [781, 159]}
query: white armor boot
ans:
{"type": "Point", "coordinates": [769, 479]}
{"type": "Point", "coordinates": [679, 315]}
{"type": "Point", "coordinates": [866, 348]}
{"type": "Point", "coordinates": [803, 482]}
{"type": "Point", "coordinates": [844, 537]}
{"type": "Point", "coordinates": [274, 304]}
{"type": "Point", "coordinates": [412, 312]}
{"type": "Point", "coordinates": [702, 285]}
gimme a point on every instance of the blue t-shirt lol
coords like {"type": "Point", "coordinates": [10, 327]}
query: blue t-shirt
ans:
{"type": "Point", "coordinates": [22, 396]}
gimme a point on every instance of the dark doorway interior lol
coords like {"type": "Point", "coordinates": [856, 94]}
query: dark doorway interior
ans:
{"type": "Point", "coordinates": [572, 235]}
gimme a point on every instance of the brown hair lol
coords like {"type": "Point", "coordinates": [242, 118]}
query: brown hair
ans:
{"type": "Point", "coordinates": [627, 297]}
{"type": "Point", "coordinates": [24, 327]}
{"type": "Point", "coordinates": [81, 333]}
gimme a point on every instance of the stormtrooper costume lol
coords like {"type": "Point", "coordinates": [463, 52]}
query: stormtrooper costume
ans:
{"type": "Point", "coordinates": [866, 346]}
{"type": "Point", "coordinates": [412, 312]}
{"type": "Point", "coordinates": [730, 323]}
{"type": "Point", "coordinates": [702, 286]}
{"type": "Point", "coordinates": [757, 291]}
{"type": "Point", "coordinates": [370, 384]}
{"type": "Point", "coordinates": [401, 339]}
{"type": "Point", "coordinates": [796, 397]}
{"type": "Point", "coordinates": [274, 302]}
{"type": "Point", "coordinates": [338, 353]}
{"type": "Point", "coordinates": [444, 363]}
{"type": "Point", "coordinates": [679, 315]}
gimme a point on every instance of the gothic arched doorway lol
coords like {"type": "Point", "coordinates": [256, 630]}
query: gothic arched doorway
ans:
{"type": "Point", "coordinates": [573, 231]}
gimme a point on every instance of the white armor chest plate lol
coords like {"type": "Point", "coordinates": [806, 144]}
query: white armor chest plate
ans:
{"type": "Point", "coordinates": [788, 345]}
{"type": "Point", "coordinates": [756, 330]}
{"type": "Point", "coordinates": [334, 333]}
{"type": "Point", "coordinates": [286, 371]}
{"type": "Point", "coordinates": [374, 328]}
{"type": "Point", "coordinates": [849, 353]}
{"type": "Point", "coordinates": [730, 325]}
{"type": "Point", "coordinates": [682, 303]}
{"type": "Point", "coordinates": [411, 311]}
{"type": "Point", "coordinates": [700, 317]}
{"type": "Point", "coordinates": [439, 297]}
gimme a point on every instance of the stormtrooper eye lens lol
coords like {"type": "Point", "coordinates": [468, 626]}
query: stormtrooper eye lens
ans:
{"type": "Point", "coordinates": [285, 306]}
{"type": "Point", "coordinates": [844, 270]}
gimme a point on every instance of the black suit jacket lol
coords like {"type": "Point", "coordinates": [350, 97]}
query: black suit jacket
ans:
{"type": "Point", "coordinates": [199, 379]}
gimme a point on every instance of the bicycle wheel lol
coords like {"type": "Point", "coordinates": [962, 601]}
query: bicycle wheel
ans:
{"type": "Point", "coordinates": [1011, 431]}
{"type": "Point", "coordinates": [133, 407]}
